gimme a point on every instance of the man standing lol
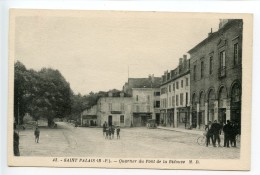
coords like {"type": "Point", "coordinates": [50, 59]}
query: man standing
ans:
{"type": "Point", "coordinates": [16, 142]}
{"type": "Point", "coordinates": [209, 133]}
{"type": "Point", "coordinates": [216, 129]}
{"type": "Point", "coordinates": [104, 128]}
{"type": "Point", "coordinates": [37, 134]}
{"type": "Point", "coordinates": [227, 129]}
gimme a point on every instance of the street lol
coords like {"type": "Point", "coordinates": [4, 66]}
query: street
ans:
{"type": "Point", "coordinates": [67, 140]}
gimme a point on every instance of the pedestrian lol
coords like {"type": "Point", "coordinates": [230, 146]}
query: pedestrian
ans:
{"type": "Point", "coordinates": [118, 132]}
{"type": "Point", "coordinates": [104, 128]}
{"type": "Point", "coordinates": [112, 131]}
{"type": "Point", "coordinates": [109, 132]}
{"type": "Point", "coordinates": [234, 132]}
{"type": "Point", "coordinates": [227, 129]}
{"type": "Point", "coordinates": [37, 134]}
{"type": "Point", "coordinates": [209, 135]}
{"type": "Point", "coordinates": [16, 142]}
{"type": "Point", "coordinates": [216, 129]}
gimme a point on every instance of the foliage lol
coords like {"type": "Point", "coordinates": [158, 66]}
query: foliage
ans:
{"type": "Point", "coordinates": [42, 94]}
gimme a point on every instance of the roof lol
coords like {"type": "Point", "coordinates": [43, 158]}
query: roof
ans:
{"type": "Point", "coordinates": [144, 82]}
{"type": "Point", "coordinates": [214, 34]}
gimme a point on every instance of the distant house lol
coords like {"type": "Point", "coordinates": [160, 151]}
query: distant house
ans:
{"type": "Point", "coordinates": [115, 110]}
{"type": "Point", "coordinates": [89, 116]}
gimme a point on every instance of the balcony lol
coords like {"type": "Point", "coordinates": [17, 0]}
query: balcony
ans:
{"type": "Point", "coordinates": [222, 72]}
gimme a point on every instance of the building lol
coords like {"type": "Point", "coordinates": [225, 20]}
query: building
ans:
{"type": "Point", "coordinates": [145, 106]}
{"type": "Point", "coordinates": [89, 117]}
{"type": "Point", "coordinates": [175, 95]}
{"type": "Point", "coordinates": [150, 82]}
{"type": "Point", "coordinates": [145, 93]}
{"type": "Point", "coordinates": [115, 110]}
{"type": "Point", "coordinates": [216, 75]}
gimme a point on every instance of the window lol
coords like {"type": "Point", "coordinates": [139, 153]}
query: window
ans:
{"type": "Point", "coordinates": [177, 100]}
{"type": "Point", "coordinates": [181, 99]}
{"type": "Point", "coordinates": [194, 72]}
{"type": "Point", "coordinates": [122, 107]}
{"type": "Point", "coordinates": [156, 93]}
{"type": "Point", "coordinates": [236, 54]}
{"type": "Point", "coordinates": [170, 88]}
{"type": "Point", "coordinates": [210, 65]}
{"type": "Point", "coordinates": [169, 101]}
{"type": "Point", "coordinates": [122, 119]}
{"type": "Point", "coordinates": [173, 101]}
{"type": "Point", "coordinates": [222, 56]}
{"type": "Point", "coordinates": [181, 83]}
{"type": "Point", "coordinates": [173, 87]}
{"type": "Point", "coordinates": [136, 98]}
{"type": "Point", "coordinates": [157, 104]}
{"type": "Point", "coordinates": [187, 97]}
{"type": "Point", "coordinates": [187, 81]}
{"type": "Point", "coordinates": [202, 69]}
{"type": "Point", "coordinates": [110, 106]}
{"type": "Point", "coordinates": [177, 85]}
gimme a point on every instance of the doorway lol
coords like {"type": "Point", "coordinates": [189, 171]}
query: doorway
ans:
{"type": "Point", "coordinates": [110, 120]}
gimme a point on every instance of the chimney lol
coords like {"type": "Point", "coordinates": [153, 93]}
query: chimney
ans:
{"type": "Point", "coordinates": [180, 61]}
{"type": "Point", "coordinates": [110, 94]}
{"type": "Point", "coordinates": [185, 58]}
{"type": "Point", "coordinates": [121, 94]}
{"type": "Point", "coordinates": [210, 32]}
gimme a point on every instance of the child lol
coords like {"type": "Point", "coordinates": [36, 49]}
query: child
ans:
{"type": "Point", "coordinates": [37, 134]}
{"type": "Point", "coordinates": [107, 133]}
{"type": "Point", "coordinates": [112, 131]}
{"type": "Point", "coordinates": [118, 132]}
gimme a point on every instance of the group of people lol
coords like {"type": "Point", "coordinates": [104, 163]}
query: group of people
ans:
{"type": "Point", "coordinates": [230, 130]}
{"type": "Point", "coordinates": [109, 131]}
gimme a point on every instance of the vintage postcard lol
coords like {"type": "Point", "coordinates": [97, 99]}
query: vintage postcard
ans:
{"type": "Point", "coordinates": [124, 89]}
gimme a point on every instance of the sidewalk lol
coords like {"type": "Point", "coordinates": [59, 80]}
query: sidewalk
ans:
{"type": "Point", "coordinates": [190, 131]}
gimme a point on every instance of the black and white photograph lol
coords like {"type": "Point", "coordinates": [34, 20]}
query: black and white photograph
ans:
{"type": "Point", "coordinates": [121, 89]}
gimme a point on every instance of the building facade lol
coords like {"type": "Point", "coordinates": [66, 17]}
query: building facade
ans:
{"type": "Point", "coordinates": [115, 111]}
{"type": "Point", "coordinates": [89, 117]}
{"type": "Point", "coordinates": [216, 75]}
{"type": "Point", "coordinates": [145, 105]}
{"type": "Point", "coordinates": [175, 95]}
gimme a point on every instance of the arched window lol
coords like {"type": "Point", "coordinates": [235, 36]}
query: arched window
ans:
{"type": "Point", "coordinates": [236, 94]}
{"type": "Point", "coordinates": [202, 99]}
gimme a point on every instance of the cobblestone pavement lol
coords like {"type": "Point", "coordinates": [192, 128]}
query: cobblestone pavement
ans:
{"type": "Point", "coordinates": [67, 140]}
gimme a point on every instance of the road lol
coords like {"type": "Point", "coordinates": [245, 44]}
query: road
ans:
{"type": "Point", "coordinates": [67, 140]}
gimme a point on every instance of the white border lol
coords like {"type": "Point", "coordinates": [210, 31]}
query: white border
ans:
{"type": "Point", "coordinates": [176, 6]}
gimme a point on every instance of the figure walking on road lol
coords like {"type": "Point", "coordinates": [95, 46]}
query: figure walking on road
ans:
{"type": "Point", "coordinates": [118, 132]}
{"type": "Point", "coordinates": [104, 128]}
{"type": "Point", "coordinates": [37, 134]}
{"type": "Point", "coordinates": [112, 131]}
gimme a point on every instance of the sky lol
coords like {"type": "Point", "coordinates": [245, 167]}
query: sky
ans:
{"type": "Point", "coordinates": [96, 51]}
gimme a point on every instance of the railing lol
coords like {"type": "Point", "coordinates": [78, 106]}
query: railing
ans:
{"type": "Point", "coordinates": [222, 72]}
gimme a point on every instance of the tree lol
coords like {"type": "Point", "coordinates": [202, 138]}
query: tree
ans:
{"type": "Point", "coordinates": [43, 94]}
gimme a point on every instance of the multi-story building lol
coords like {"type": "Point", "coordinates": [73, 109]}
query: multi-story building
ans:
{"type": "Point", "coordinates": [175, 95]}
{"type": "Point", "coordinates": [144, 105]}
{"type": "Point", "coordinates": [216, 75]}
{"type": "Point", "coordinates": [115, 110]}
{"type": "Point", "coordinates": [145, 93]}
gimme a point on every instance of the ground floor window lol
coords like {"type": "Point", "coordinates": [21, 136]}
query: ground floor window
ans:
{"type": "Point", "coordinates": [122, 119]}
